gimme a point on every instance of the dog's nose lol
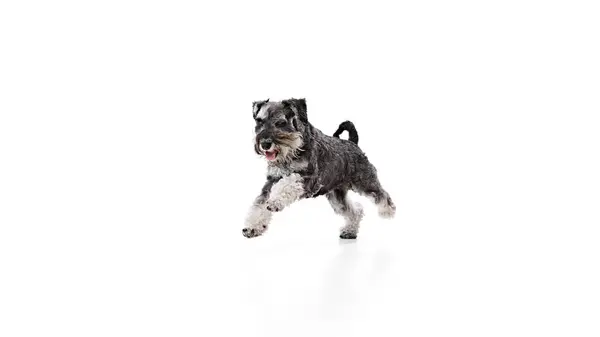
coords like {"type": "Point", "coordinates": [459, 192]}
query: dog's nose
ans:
{"type": "Point", "coordinates": [266, 144]}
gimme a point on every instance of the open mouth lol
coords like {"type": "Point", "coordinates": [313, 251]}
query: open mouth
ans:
{"type": "Point", "coordinates": [272, 154]}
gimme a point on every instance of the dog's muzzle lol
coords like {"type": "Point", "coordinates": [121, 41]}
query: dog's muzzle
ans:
{"type": "Point", "coordinates": [267, 146]}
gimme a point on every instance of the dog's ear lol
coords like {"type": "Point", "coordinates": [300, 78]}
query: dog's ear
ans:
{"type": "Point", "coordinates": [256, 105]}
{"type": "Point", "coordinates": [298, 106]}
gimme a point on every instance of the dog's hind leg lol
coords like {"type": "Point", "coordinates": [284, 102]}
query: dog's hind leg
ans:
{"type": "Point", "coordinates": [371, 188]}
{"type": "Point", "coordinates": [352, 212]}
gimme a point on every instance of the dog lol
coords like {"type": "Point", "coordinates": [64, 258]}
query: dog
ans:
{"type": "Point", "coordinates": [303, 162]}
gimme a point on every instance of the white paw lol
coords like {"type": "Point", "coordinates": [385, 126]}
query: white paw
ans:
{"type": "Point", "coordinates": [387, 211]}
{"type": "Point", "coordinates": [348, 235]}
{"type": "Point", "coordinates": [274, 205]}
{"type": "Point", "coordinates": [251, 232]}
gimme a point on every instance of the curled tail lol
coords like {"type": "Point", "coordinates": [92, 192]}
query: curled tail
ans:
{"type": "Point", "coordinates": [347, 126]}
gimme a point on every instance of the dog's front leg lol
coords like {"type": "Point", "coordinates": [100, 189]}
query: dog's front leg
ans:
{"type": "Point", "coordinates": [285, 192]}
{"type": "Point", "coordinates": [258, 218]}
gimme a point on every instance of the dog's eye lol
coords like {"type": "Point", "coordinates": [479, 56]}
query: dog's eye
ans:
{"type": "Point", "coordinates": [280, 123]}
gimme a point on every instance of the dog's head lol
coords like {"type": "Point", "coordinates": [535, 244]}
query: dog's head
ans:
{"type": "Point", "coordinates": [279, 128]}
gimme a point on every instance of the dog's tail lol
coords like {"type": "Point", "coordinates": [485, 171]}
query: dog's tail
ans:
{"type": "Point", "coordinates": [347, 126]}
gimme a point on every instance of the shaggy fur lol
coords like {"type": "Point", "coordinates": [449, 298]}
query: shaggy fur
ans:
{"type": "Point", "coordinates": [303, 162]}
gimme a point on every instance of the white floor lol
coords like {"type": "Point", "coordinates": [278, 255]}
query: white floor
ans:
{"type": "Point", "coordinates": [159, 264]}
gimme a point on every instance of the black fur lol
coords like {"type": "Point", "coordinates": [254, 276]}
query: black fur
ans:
{"type": "Point", "coordinates": [325, 165]}
{"type": "Point", "coordinates": [347, 126]}
{"type": "Point", "coordinates": [332, 162]}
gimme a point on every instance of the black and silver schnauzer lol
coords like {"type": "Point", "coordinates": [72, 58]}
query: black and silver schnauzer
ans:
{"type": "Point", "coordinates": [303, 162]}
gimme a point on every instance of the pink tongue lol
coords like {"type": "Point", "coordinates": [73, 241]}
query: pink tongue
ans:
{"type": "Point", "coordinates": [271, 155]}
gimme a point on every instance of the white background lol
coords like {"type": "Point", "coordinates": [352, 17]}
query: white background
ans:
{"type": "Point", "coordinates": [127, 168]}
